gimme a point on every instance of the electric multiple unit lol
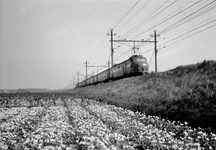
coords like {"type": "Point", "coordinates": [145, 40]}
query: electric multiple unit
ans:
{"type": "Point", "coordinates": [135, 65]}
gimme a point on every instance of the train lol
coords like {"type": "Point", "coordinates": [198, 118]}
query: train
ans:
{"type": "Point", "coordinates": [135, 65]}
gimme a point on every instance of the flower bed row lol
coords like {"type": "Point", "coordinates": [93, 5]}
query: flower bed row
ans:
{"type": "Point", "coordinates": [151, 132]}
{"type": "Point", "coordinates": [88, 124]}
{"type": "Point", "coordinates": [14, 130]}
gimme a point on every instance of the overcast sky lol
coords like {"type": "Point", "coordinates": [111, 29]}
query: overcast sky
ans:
{"type": "Point", "coordinates": [43, 43]}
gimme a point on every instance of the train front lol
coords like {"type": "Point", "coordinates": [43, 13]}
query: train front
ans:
{"type": "Point", "coordinates": [140, 65]}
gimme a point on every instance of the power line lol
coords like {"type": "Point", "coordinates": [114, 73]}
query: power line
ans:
{"type": "Point", "coordinates": [191, 16]}
{"type": "Point", "coordinates": [133, 15]}
{"type": "Point", "coordinates": [194, 34]}
{"type": "Point", "coordinates": [122, 54]}
{"type": "Point", "coordinates": [167, 18]}
{"type": "Point", "coordinates": [151, 58]}
{"type": "Point", "coordinates": [145, 20]}
{"type": "Point", "coordinates": [152, 18]}
{"type": "Point", "coordinates": [183, 20]}
{"type": "Point", "coordinates": [125, 44]}
{"type": "Point", "coordinates": [95, 60]}
{"type": "Point", "coordinates": [104, 56]}
{"type": "Point", "coordinates": [175, 14]}
{"type": "Point", "coordinates": [98, 48]}
{"type": "Point", "coordinates": [126, 13]}
{"type": "Point", "coordinates": [182, 35]}
{"type": "Point", "coordinates": [193, 27]}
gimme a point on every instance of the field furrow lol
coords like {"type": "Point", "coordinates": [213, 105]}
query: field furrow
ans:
{"type": "Point", "coordinates": [84, 124]}
{"type": "Point", "coordinates": [8, 113]}
{"type": "Point", "coordinates": [52, 131]}
{"type": "Point", "coordinates": [91, 132]}
{"type": "Point", "coordinates": [146, 132]}
{"type": "Point", "coordinates": [15, 130]}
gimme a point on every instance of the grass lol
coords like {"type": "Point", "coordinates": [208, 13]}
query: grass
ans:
{"type": "Point", "coordinates": [186, 93]}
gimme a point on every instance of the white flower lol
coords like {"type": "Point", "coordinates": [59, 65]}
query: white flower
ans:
{"type": "Point", "coordinates": [174, 146]}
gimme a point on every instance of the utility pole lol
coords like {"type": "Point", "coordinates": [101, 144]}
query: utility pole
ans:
{"type": "Point", "coordinates": [74, 81]}
{"type": "Point", "coordinates": [111, 40]}
{"type": "Point", "coordinates": [71, 84]}
{"type": "Point", "coordinates": [78, 76]}
{"type": "Point", "coordinates": [112, 51]}
{"type": "Point", "coordinates": [108, 64]}
{"type": "Point", "coordinates": [86, 63]}
{"type": "Point", "coordinates": [155, 47]}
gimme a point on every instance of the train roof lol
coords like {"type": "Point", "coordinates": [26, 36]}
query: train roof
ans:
{"type": "Point", "coordinates": [134, 56]}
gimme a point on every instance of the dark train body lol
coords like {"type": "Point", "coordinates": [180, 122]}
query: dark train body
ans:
{"type": "Point", "coordinates": [135, 65]}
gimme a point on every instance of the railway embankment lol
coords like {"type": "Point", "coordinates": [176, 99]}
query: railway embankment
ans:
{"type": "Point", "coordinates": [186, 93]}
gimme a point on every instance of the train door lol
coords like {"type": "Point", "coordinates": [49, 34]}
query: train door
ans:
{"type": "Point", "coordinates": [127, 67]}
{"type": "Point", "coordinates": [124, 68]}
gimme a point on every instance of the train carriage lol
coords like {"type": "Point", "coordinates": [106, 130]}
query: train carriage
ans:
{"type": "Point", "coordinates": [103, 76]}
{"type": "Point", "coordinates": [135, 65]}
{"type": "Point", "coordinates": [118, 71]}
{"type": "Point", "coordinates": [91, 80]}
{"type": "Point", "coordinates": [95, 79]}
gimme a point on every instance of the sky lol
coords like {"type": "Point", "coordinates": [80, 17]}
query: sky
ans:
{"type": "Point", "coordinates": [43, 43]}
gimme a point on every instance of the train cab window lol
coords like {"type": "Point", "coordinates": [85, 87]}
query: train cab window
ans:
{"type": "Point", "coordinates": [140, 59]}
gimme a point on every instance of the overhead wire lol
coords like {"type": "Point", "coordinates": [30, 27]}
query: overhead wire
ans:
{"type": "Point", "coordinates": [166, 19]}
{"type": "Point", "coordinates": [97, 48]}
{"type": "Point", "coordinates": [183, 37]}
{"type": "Point", "coordinates": [150, 16]}
{"type": "Point", "coordinates": [113, 28]}
{"type": "Point", "coordinates": [181, 21]}
{"type": "Point", "coordinates": [101, 50]}
{"type": "Point", "coordinates": [175, 14]}
{"type": "Point", "coordinates": [193, 34]}
{"type": "Point", "coordinates": [155, 11]}
{"type": "Point", "coordinates": [187, 29]}
{"type": "Point", "coordinates": [192, 30]}
{"type": "Point", "coordinates": [151, 58]}
{"type": "Point", "coordinates": [141, 44]}
{"type": "Point", "coordinates": [143, 21]}
{"type": "Point", "coordinates": [190, 16]}
{"type": "Point", "coordinates": [133, 16]}
{"type": "Point", "coordinates": [83, 65]}
{"type": "Point", "coordinates": [151, 19]}
{"type": "Point", "coordinates": [126, 13]}
{"type": "Point", "coordinates": [125, 44]}
{"type": "Point", "coordinates": [123, 55]}
{"type": "Point", "coordinates": [101, 57]}
{"type": "Point", "coordinates": [105, 54]}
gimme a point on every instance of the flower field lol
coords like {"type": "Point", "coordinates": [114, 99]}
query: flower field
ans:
{"type": "Point", "coordinates": [66, 123]}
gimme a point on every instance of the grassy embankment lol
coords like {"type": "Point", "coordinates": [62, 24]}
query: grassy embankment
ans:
{"type": "Point", "coordinates": [186, 93]}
